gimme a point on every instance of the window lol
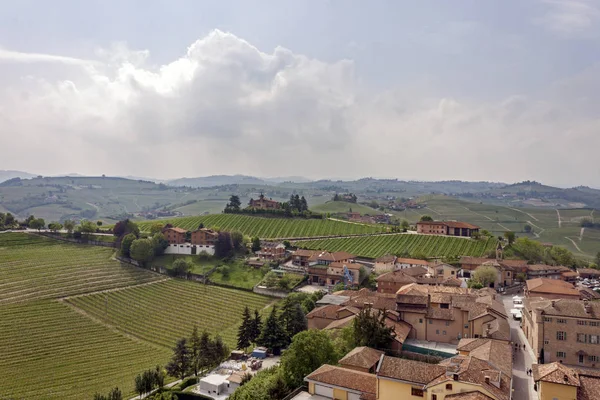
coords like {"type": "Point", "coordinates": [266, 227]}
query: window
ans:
{"type": "Point", "coordinates": [416, 392]}
{"type": "Point", "coordinates": [420, 320]}
{"type": "Point", "coordinates": [593, 339]}
{"type": "Point", "coordinates": [581, 338]}
{"type": "Point", "coordinates": [561, 335]}
{"type": "Point", "coordinates": [437, 331]}
{"type": "Point", "coordinates": [581, 358]}
{"type": "Point", "coordinates": [444, 305]}
{"type": "Point", "coordinates": [466, 326]}
{"type": "Point", "coordinates": [561, 354]}
{"type": "Point", "coordinates": [547, 319]}
{"type": "Point", "coordinates": [451, 272]}
{"type": "Point", "coordinates": [561, 321]}
{"type": "Point", "coordinates": [593, 358]}
{"type": "Point", "coordinates": [444, 333]}
{"type": "Point", "coordinates": [594, 323]}
{"type": "Point", "coordinates": [448, 386]}
{"type": "Point", "coordinates": [434, 397]}
{"type": "Point", "coordinates": [579, 322]}
{"type": "Point", "coordinates": [430, 322]}
{"type": "Point", "coordinates": [546, 342]}
{"type": "Point", "coordinates": [447, 323]}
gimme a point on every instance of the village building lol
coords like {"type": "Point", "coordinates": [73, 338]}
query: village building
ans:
{"type": "Point", "coordinates": [264, 204]}
{"type": "Point", "coordinates": [402, 263]}
{"type": "Point", "coordinates": [450, 228]}
{"type": "Point", "coordinates": [333, 382]}
{"type": "Point", "coordinates": [569, 276]}
{"type": "Point", "coordinates": [305, 258]}
{"type": "Point", "coordinates": [546, 271]}
{"type": "Point", "coordinates": [391, 282]}
{"type": "Point", "coordinates": [271, 251]}
{"type": "Point", "coordinates": [563, 330]}
{"type": "Point", "coordinates": [364, 359]}
{"type": "Point", "coordinates": [551, 289]}
{"type": "Point", "coordinates": [385, 263]}
{"type": "Point", "coordinates": [301, 257]}
{"type": "Point", "coordinates": [174, 235]}
{"type": "Point", "coordinates": [204, 237]}
{"type": "Point", "coordinates": [332, 273]}
{"type": "Point", "coordinates": [444, 270]}
{"type": "Point", "coordinates": [588, 273]}
{"type": "Point", "coordinates": [557, 381]}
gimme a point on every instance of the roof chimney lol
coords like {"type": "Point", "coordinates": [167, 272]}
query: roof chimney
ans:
{"type": "Point", "coordinates": [566, 378]}
{"type": "Point", "coordinates": [487, 380]}
{"type": "Point", "coordinates": [587, 307]}
{"type": "Point", "coordinates": [553, 303]}
{"type": "Point", "coordinates": [455, 377]}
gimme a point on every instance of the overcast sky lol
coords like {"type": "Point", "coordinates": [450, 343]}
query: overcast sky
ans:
{"type": "Point", "coordinates": [502, 90]}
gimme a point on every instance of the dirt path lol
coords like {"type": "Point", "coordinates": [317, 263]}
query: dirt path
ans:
{"type": "Point", "coordinates": [508, 230]}
{"type": "Point", "coordinates": [429, 208]}
{"type": "Point", "coordinates": [559, 220]}
{"type": "Point", "coordinates": [581, 234]}
{"type": "Point", "coordinates": [523, 212]}
{"type": "Point", "coordinates": [476, 213]}
{"type": "Point", "coordinates": [93, 205]}
{"type": "Point", "coordinates": [536, 234]}
{"type": "Point", "coordinates": [574, 244]}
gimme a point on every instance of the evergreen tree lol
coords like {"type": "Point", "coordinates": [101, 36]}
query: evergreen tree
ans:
{"type": "Point", "coordinates": [219, 350]}
{"type": "Point", "coordinates": [244, 332]}
{"type": "Point", "coordinates": [205, 359]}
{"type": "Point", "coordinates": [303, 204]}
{"type": "Point", "coordinates": [292, 319]}
{"type": "Point", "coordinates": [296, 203]}
{"type": "Point", "coordinates": [272, 336]}
{"type": "Point", "coordinates": [255, 327]}
{"type": "Point", "coordinates": [179, 366]}
{"type": "Point", "coordinates": [371, 330]}
{"type": "Point", "coordinates": [255, 244]}
{"type": "Point", "coordinates": [195, 350]}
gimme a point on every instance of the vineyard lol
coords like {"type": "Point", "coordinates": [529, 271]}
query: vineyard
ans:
{"type": "Point", "coordinates": [32, 267]}
{"type": "Point", "coordinates": [268, 228]}
{"type": "Point", "coordinates": [426, 245]}
{"type": "Point", "coordinates": [72, 347]}
{"type": "Point", "coordinates": [52, 352]}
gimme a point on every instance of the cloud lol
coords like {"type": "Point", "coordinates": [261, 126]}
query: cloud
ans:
{"type": "Point", "coordinates": [225, 106]}
{"type": "Point", "coordinates": [18, 57]}
{"type": "Point", "coordinates": [569, 17]}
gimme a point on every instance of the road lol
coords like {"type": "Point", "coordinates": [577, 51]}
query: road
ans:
{"type": "Point", "coordinates": [522, 383]}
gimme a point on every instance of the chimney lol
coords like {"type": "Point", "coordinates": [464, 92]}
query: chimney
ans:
{"type": "Point", "coordinates": [455, 377]}
{"type": "Point", "coordinates": [487, 380]}
{"type": "Point", "coordinates": [553, 303]}
{"type": "Point", "coordinates": [566, 378]}
{"type": "Point", "coordinates": [587, 307]}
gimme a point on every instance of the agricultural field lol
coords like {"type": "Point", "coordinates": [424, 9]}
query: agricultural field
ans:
{"type": "Point", "coordinates": [50, 351]}
{"type": "Point", "coordinates": [33, 267]}
{"type": "Point", "coordinates": [237, 274]}
{"type": "Point", "coordinates": [74, 322]}
{"type": "Point", "coordinates": [335, 207]}
{"type": "Point", "coordinates": [163, 312]}
{"type": "Point", "coordinates": [427, 245]}
{"type": "Point", "coordinates": [269, 228]}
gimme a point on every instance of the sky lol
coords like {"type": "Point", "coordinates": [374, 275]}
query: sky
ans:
{"type": "Point", "coordinates": [496, 90]}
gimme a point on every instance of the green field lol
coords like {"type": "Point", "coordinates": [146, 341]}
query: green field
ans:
{"type": "Point", "coordinates": [240, 275]}
{"type": "Point", "coordinates": [268, 228]}
{"type": "Point", "coordinates": [33, 267]}
{"type": "Point", "coordinates": [335, 207]}
{"type": "Point", "coordinates": [428, 245]}
{"type": "Point", "coordinates": [199, 265]}
{"type": "Point", "coordinates": [163, 312]}
{"type": "Point", "coordinates": [120, 321]}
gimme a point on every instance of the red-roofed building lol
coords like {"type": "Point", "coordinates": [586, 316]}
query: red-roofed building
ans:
{"type": "Point", "coordinates": [174, 235]}
{"type": "Point", "coordinates": [264, 204]}
{"type": "Point", "coordinates": [450, 228]}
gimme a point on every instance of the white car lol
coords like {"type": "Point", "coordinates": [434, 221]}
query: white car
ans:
{"type": "Point", "coordinates": [516, 314]}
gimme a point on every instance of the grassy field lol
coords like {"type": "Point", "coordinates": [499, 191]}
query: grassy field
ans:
{"type": "Point", "coordinates": [239, 275]}
{"type": "Point", "coordinates": [199, 265]}
{"type": "Point", "coordinates": [32, 267]}
{"type": "Point", "coordinates": [334, 207]}
{"type": "Point", "coordinates": [428, 245]}
{"type": "Point", "coordinates": [111, 330]}
{"type": "Point", "coordinates": [163, 312]}
{"type": "Point", "coordinates": [267, 228]}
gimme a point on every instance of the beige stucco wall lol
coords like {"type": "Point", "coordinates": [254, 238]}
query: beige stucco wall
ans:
{"type": "Point", "coordinates": [393, 390]}
{"type": "Point", "coordinates": [550, 391]}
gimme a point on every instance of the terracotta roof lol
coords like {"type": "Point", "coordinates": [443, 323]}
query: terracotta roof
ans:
{"type": "Point", "coordinates": [474, 370]}
{"type": "Point", "coordinates": [566, 308]}
{"type": "Point", "coordinates": [446, 314]}
{"type": "Point", "coordinates": [304, 253]}
{"type": "Point", "coordinates": [514, 263]}
{"type": "Point", "coordinates": [414, 261]}
{"type": "Point", "coordinates": [388, 258]}
{"type": "Point", "coordinates": [208, 231]}
{"type": "Point", "coordinates": [544, 267]}
{"type": "Point", "coordinates": [589, 387]}
{"type": "Point", "coordinates": [499, 329]}
{"type": "Point", "coordinates": [496, 352]}
{"type": "Point", "coordinates": [396, 277]}
{"type": "Point", "coordinates": [468, 396]}
{"type": "Point", "coordinates": [340, 323]}
{"type": "Point", "coordinates": [458, 224]}
{"type": "Point", "coordinates": [409, 370]}
{"type": "Point", "coordinates": [414, 271]}
{"type": "Point", "coordinates": [270, 245]}
{"type": "Point", "coordinates": [589, 271]}
{"type": "Point", "coordinates": [551, 286]}
{"type": "Point", "coordinates": [474, 260]}
{"type": "Point", "coordinates": [569, 274]}
{"type": "Point", "coordinates": [349, 265]}
{"type": "Point", "coordinates": [342, 255]}
{"type": "Point", "coordinates": [401, 329]}
{"type": "Point", "coordinates": [329, 312]}
{"type": "Point", "coordinates": [346, 378]}
{"type": "Point", "coordinates": [176, 229]}
{"type": "Point", "coordinates": [361, 357]}
{"type": "Point", "coordinates": [236, 377]}
{"type": "Point", "coordinates": [555, 373]}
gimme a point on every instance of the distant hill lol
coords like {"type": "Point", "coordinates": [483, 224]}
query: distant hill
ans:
{"type": "Point", "coordinates": [8, 174]}
{"type": "Point", "coordinates": [216, 180]}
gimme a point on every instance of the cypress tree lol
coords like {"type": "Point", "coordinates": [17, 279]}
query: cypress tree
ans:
{"type": "Point", "coordinates": [245, 331]}
{"type": "Point", "coordinates": [272, 336]}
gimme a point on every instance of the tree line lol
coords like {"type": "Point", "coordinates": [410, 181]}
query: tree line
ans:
{"type": "Point", "coordinates": [297, 206]}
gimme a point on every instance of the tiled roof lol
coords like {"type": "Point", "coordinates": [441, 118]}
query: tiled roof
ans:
{"type": "Point", "coordinates": [329, 312]}
{"type": "Point", "coordinates": [499, 329]}
{"type": "Point", "coordinates": [446, 314]}
{"type": "Point", "coordinates": [458, 224]}
{"type": "Point", "coordinates": [468, 396]}
{"type": "Point", "coordinates": [349, 265]}
{"type": "Point", "coordinates": [401, 329]}
{"type": "Point", "coordinates": [396, 277]}
{"type": "Point", "coordinates": [589, 271]}
{"type": "Point", "coordinates": [361, 357]}
{"type": "Point", "coordinates": [544, 267]}
{"type": "Point", "coordinates": [496, 352]}
{"type": "Point", "coordinates": [388, 258]}
{"type": "Point", "coordinates": [342, 255]}
{"type": "Point", "coordinates": [270, 245]}
{"type": "Point", "coordinates": [551, 286]}
{"type": "Point", "coordinates": [304, 253]}
{"type": "Point", "coordinates": [414, 261]}
{"type": "Point", "coordinates": [409, 370]}
{"type": "Point", "coordinates": [566, 308]}
{"type": "Point", "coordinates": [176, 229]}
{"type": "Point", "coordinates": [340, 323]}
{"type": "Point", "coordinates": [346, 378]}
{"type": "Point", "coordinates": [474, 260]}
{"type": "Point", "coordinates": [474, 370]}
{"type": "Point", "coordinates": [555, 373]}
{"type": "Point", "coordinates": [589, 388]}
{"type": "Point", "coordinates": [414, 271]}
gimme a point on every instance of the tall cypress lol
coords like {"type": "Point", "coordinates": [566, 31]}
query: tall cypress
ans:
{"type": "Point", "coordinates": [245, 330]}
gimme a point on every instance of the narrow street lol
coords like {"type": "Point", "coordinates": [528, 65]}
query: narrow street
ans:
{"type": "Point", "coordinates": [522, 383]}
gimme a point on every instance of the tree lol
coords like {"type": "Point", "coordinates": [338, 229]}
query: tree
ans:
{"type": "Point", "coordinates": [404, 225]}
{"type": "Point", "coordinates": [371, 330]}
{"type": "Point", "coordinates": [234, 204]}
{"type": "Point", "coordinates": [308, 351]}
{"type": "Point", "coordinates": [124, 227]}
{"type": "Point", "coordinates": [126, 244]}
{"type": "Point", "coordinates": [237, 240]}
{"type": "Point", "coordinates": [272, 335]}
{"type": "Point", "coordinates": [292, 318]}
{"type": "Point", "coordinates": [37, 223]}
{"type": "Point", "coordinates": [486, 275]}
{"type": "Point", "coordinates": [255, 244]}
{"type": "Point", "coordinates": [527, 228]}
{"type": "Point", "coordinates": [181, 267]}
{"type": "Point", "coordinates": [426, 218]}
{"type": "Point", "coordinates": [156, 227]}
{"type": "Point", "coordinates": [142, 250]}
{"type": "Point", "coordinates": [86, 228]}
{"type": "Point", "coordinates": [219, 350]}
{"type": "Point", "coordinates": [206, 358]}
{"type": "Point", "coordinates": [159, 244]}
{"type": "Point", "coordinates": [69, 226]}
{"type": "Point", "coordinates": [303, 204]}
{"type": "Point", "coordinates": [159, 376]}
{"type": "Point", "coordinates": [179, 366]}
{"type": "Point", "coordinates": [245, 330]}
{"type": "Point", "coordinates": [598, 259]}
{"type": "Point", "coordinates": [55, 226]}
{"type": "Point", "coordinates": [255, 327]}
{"type": "Point", "coordinates": [510, 237]}
{"type": "Point", "coordinates": [195, 350]}
{"type": "Point", "coordinates": [114, 394]}
{"type": "Point", "coordinates": [140, 387]}
{"type": "Point", "coordinates": [522, 276]}
{"type": "Point", "coordinates": [223, 245]}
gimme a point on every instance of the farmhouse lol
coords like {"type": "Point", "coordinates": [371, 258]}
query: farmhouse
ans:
{"type": "Point", "coordinates": [304, 258]}
{"type": "Point", "coordinates": [546, 271]}
{"type": "Point", "coordinates": [264, 204]}
{"type": "Point", "coordinates": [451, 228]}
{"type": "Point", "coordinates": [562, 330]}
{"type": "Point", "coordinates": [333, 273]}
{"type": "Point", "coordinates": [174, 235]}
{"type": "Point", "coordinates": [204, 237]}
{"type": "Point", "coordinates": [271, 251]}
